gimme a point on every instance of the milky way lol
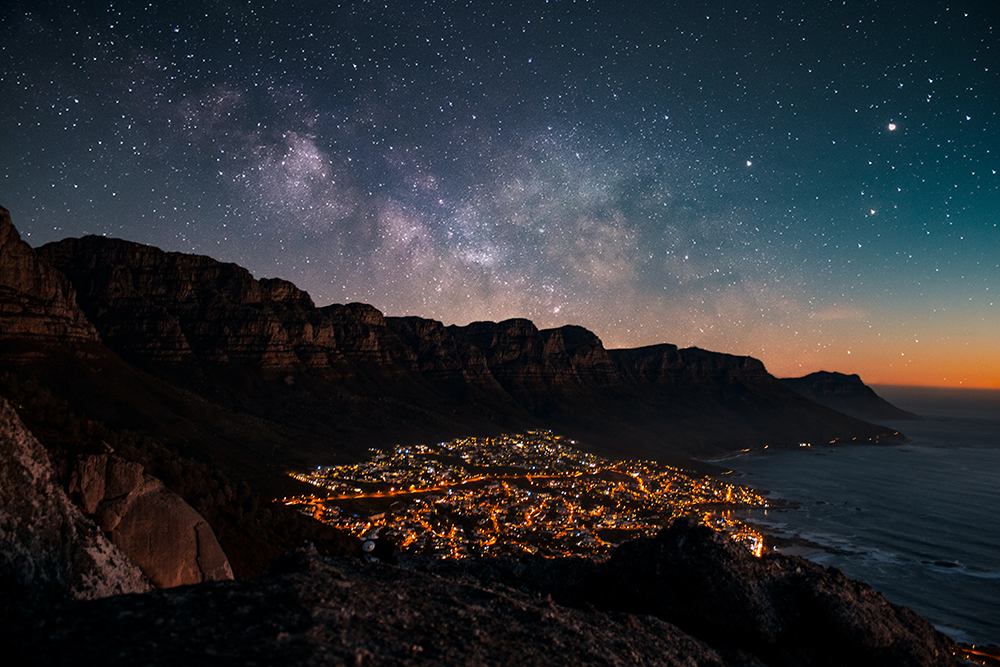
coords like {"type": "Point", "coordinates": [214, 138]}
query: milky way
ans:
{"type": "Point", "coordinates": [814, 185]}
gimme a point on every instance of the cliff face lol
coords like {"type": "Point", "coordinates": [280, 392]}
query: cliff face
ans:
{"type": "Point", "coordinates": [37, 303]}
{"type": "Point", "coordinates": [441, 356]}
{"type": "Point", "coordinates": [349, 369]}
{"type": "Point", "coordinates": [158, 308]}
{"type": "Point", "coordinates": [666, 366]}
{"type": "Point", "coordinates": [848, 394]}
{"type": "Point", "coordinates": [539, 368]}
{"type": "Point", "coordinates": [174, 308]}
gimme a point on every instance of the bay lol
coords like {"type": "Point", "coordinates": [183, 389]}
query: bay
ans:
{"type": "Point", "coordinates": [920, 521]}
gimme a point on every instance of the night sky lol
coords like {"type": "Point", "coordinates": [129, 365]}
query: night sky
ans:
{"type": "Point", "coordinates": [811, 183]}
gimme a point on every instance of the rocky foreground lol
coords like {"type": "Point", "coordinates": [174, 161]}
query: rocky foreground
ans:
{"type": "Point", "coordinates": [689, 596]}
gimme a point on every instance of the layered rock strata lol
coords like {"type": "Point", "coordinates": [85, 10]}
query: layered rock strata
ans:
{"type": "Point", "coordinates": [37, 303]}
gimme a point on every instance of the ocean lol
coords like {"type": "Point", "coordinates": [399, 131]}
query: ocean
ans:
{"type": "Point", "coordinates": [920, 522]}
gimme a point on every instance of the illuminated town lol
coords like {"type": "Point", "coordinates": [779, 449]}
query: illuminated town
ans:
{"type": "Point", "coordinates": [515, 495]}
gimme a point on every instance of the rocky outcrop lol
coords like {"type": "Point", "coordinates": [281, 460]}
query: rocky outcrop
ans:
{"type": "Point", "coordinates": [169, 541]}
{"type": "Point", "coordinates": [687, 597]}
{"type": "Point", "coordinates": [784, 610]}
{"type": "Point", "coordinates": [48, 550]}
{"type": "Point", "coordinates": [37, 303]}
{"type": "Point", "coordinates": [318, 611]}
{"type": "Point", "coordinates": [780, 611]}
{"type": "Point", "coordinates": [848, 394]}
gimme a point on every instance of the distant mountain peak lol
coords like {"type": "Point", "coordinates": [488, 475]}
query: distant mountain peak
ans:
{"type": "Point", "coordinates": [848, 394]}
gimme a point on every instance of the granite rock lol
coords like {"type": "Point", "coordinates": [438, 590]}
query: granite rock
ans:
{"type": "Point", "coordinates": [169, 541]}
{"type": "Point", "coordinates": [49, 550]}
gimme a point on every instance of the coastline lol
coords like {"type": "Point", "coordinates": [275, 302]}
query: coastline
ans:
{"type": "Point", "coordinates": [910, 520]}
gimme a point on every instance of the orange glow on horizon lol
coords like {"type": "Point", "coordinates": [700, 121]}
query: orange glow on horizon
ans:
{"type": "Point", "coordinates": [958, 371]}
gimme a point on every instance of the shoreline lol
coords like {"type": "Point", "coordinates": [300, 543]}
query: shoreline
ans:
{"type": "Point", "coordinates": [857, 512]}
{"type": "Point", "coordinates": [987, 654]}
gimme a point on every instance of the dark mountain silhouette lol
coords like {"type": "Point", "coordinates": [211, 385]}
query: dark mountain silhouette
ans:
{"type": "Point", "coordinates": [847, 394]}
{"type": "Point", "coordinates": [345, 374]}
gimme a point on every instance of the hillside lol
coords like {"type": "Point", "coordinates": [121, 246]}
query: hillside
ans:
{"type": "Point", "coordinates": [847, 394]}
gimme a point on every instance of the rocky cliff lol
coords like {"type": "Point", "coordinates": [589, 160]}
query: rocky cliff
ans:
{"type": "Point", "coordinates": [847, 394]}
{"type": "Point", "coordinates": [536, 368]}
{"type": "Point", "coordinates": [686, 597]}
{"type": "Point", "coordinates": [163, 307]}
{"type": "Point", "coordinates": [37, 303]}
{"type": "Point", "coordinates": [346, 372]}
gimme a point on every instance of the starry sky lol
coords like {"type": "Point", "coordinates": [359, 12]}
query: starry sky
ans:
{"type": "Point", "coordinates": [810, 183]}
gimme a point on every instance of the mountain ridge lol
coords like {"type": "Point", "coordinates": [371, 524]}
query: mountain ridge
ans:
{"type": "Point", "coordinates": [847, 394]}
{"type": "Point", "coordinates": [200, 350]}
{"type": "Point", "coordinates": [219, 373]}
{"type": "Point", "coordinates": [176, 315]}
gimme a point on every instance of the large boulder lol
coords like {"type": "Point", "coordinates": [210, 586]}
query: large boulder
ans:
{"type": "Point", "coordinates": [169, 541]}
{"type": "Point", "coordinates": [48, 549]}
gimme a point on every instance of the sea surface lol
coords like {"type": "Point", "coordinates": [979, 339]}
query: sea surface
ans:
{"type": "Point", "coordinates": [919, 522]}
